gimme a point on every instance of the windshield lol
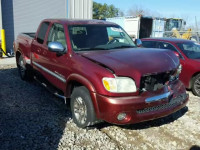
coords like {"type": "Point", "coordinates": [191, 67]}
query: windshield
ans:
{"type": "Point", "coordinates": [173, 24]}
{"type": "Point", "coordinates": [190, 49]}
{"type": "Point", "coordinates": [98, 37]}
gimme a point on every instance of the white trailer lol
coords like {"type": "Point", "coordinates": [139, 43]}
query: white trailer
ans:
{"type": "Point", "coordinates": [141, 27]}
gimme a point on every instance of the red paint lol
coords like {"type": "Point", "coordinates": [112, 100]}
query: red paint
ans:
{"type": "Point", "coordinates": [35, 55]}
{"type": "Point", "coordinates": [88, 69]}
{"type": "Point", "coordinates": [177, 54]}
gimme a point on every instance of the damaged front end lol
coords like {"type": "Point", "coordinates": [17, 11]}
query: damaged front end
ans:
{"type": "Point", "coordinates": [154, 82]}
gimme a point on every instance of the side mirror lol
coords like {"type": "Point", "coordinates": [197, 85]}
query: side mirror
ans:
{"type": "Point", "coordinates": [56, 47]}
{"type": "Point", "coordinates": [138, 42]}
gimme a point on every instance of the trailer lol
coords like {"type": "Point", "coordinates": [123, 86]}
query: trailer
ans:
{"type": "Point", "coordinates": [141, 27]}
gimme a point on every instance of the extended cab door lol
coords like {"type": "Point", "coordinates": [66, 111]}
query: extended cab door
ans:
{"type": "Point", "coordinates": [50, 64]}
{"type": "Point", "coordinates": [41, 56]}
{"type": "Point", "coordinates": [39, 51]}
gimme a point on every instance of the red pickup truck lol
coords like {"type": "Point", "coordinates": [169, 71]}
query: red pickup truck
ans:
{"type": "Point", "coordinates": [96, 66]}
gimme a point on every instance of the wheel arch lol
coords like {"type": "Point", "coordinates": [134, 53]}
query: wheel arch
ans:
{"type": "Point", "coordinates": [75, 80]}
{"type": "Point", "coordinates": [192, 78]}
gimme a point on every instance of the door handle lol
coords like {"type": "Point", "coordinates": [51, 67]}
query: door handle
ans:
{"type": "Point", "coordinates": [44, 52]}
{"type": "Point", "coordinates": [38, 50]}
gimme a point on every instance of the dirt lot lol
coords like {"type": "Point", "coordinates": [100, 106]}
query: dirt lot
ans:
{"type": "Point", "coordinates": [32, 118]}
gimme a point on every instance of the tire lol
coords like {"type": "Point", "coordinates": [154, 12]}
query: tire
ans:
{"type": "Point", "coordinates": [1, 53]}
{"type": "Point", "coordinates": [196, 85]}
{"type": "Point", "coordinates": [82, 109]}
{"type": "Point", "coordinates": [24, 72]}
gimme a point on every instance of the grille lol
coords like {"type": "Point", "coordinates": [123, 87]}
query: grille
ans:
{"type": "Point", "coordinates": [155, 81]}
{"type": "Point", "coordinates": [174, 102]}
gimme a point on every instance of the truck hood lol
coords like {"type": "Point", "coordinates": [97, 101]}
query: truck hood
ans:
{"type": "Point", "coordinates": [134, 61]}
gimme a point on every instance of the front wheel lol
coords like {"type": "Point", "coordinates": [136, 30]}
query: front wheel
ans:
{"type": "Point", "coordinates": [196, 85]}
{"type": "Point", "coordinates": [83, 113]}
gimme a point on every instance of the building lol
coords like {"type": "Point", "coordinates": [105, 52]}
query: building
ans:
{"type": "Point", "coordinates": [0, 19]}
{"type": "Point", "coordinates": [24, 15]}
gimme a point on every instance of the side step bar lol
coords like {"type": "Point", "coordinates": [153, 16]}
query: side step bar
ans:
{"type": "Point", "coordinates": [50, 89]}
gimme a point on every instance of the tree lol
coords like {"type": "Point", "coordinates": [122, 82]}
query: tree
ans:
{"type": "Point", "coordinates": [102, 11]}
{"type": "Point", "coordinates": [141, 11]}
{"type": "Point", "coordinates": [137, 11]}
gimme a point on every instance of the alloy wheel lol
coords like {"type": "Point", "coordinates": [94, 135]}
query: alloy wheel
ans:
{"type": "Point", "coordinates": [22, 67]}
{"type": "Point", "coordinates": [197, 85]}
{"type": "Point", "coordinates": [80, 110]}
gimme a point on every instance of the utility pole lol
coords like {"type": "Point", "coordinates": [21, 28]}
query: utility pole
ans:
{"type": "Point", "coordinates": [197, 29]}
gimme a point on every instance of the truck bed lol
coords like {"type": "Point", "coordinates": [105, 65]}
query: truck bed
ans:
{"type": "Point", "coordinates": [30, 34]}
{"type": "Point", "coordinates": [25, 40]}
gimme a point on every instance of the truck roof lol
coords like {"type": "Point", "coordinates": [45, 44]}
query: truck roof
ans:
{"type": "Point", "coordinates": [80, 21]}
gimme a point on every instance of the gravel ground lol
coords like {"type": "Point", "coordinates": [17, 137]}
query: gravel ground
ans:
{"type": "Point", "coordinates": [32, 118]}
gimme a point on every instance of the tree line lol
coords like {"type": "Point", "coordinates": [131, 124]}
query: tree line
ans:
{"type": "Point", "coordinates": [102, 11]}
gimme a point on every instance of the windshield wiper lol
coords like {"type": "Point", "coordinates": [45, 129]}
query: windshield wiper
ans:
{"type": "Point", "coordinates": [94, 48]}
{"type": "Point", "coordinates": [124, 46]}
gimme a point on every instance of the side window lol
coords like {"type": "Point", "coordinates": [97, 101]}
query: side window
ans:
{"type": "Point", "coordinates": [57, 34]}
{"type": "Point", "coordinates": [167, 46]}
{"type": "Point", "coordinates": [42, 32]}
{"type": "Point", "coordinates": [149, 44]}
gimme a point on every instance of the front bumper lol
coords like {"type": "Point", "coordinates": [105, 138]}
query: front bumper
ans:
{"type": "Point", "coordinates": [146, 106]}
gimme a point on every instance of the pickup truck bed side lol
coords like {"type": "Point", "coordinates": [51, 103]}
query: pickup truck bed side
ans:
{"type": "Point", "coordinates": [23, 43]}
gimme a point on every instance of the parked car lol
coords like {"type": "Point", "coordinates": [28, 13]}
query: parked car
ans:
{"type": "Point", "coordinates": [189, 53]}
{"type": "Point", "coordinates": [95, 65]}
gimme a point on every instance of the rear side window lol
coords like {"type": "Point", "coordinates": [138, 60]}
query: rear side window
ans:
{"type": "Point", "coordinates": [42, 32]}
{"type": "Point", "coordinates": [149, 44]}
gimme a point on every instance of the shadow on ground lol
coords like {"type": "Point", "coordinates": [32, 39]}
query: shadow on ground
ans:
{"type": "Point", "coordinates": [30, 117]}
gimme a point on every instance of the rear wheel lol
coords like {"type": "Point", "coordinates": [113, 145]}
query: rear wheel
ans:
{"type": "Point", "coordinates": [1, 52]}
{"type": "Point", "coordinates": [24, 72]}
{"type": "Point", "coordinates": [83, 113]}
{"type": "Point", "coordinates": [196, 85]}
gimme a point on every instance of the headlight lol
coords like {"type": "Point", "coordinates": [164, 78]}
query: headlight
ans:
{"type": "Point", "coordinates": [119, 85]}
{"type": "Point", "coordinates": [176, 74]}
{"type": "Point", "coordinates": [179, 69]}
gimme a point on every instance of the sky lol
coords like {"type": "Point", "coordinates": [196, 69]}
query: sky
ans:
{"type": "Point", "coordinates": [186, 9]}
